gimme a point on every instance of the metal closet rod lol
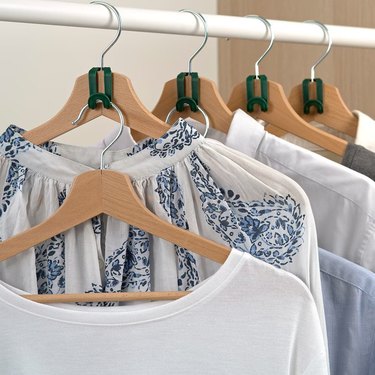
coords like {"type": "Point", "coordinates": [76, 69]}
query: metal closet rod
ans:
{"type": "Point", "coordinates": [168, 22]}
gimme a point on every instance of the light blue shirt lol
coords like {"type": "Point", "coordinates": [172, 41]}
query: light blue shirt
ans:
{"type": "Point", "coordinates": [349, 304]}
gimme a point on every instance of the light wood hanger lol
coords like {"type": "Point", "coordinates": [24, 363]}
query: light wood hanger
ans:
{"type": "Point", "coordinates": [336, 114]}
{"type": "Point", "coordinates": [137, 116]}
{"type": "Point", "coordinates": [280, 113]}
{"type": "Point", "coordinates": [111, 193]}
{"type": "Point", "coordinates": [210, 99]}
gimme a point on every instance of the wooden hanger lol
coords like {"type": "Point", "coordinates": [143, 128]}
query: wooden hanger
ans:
{"type": "Point", "coordinates": [210, 101]}
{"type": "Point", "coordinates": [333, 111]}
{"type": "Point", "coordinates": [137, 117]}
{"type": "Point", "coordinates": [336, 114]}
{"type": "Point", "coordinates": [111, 193]}
{"type": "Point", "coordinates": [281, 115]}
{"type": "Point", "coordinates": [277, 110]}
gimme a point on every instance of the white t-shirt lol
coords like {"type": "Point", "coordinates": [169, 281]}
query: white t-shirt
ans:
{"type": "Point", "coordinates": [248, 318]}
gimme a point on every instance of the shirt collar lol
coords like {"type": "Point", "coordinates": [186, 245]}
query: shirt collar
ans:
{"type": "Point", "coordinates": [365, 131]}
{"type": "Point", "coordinates": [245, 133]}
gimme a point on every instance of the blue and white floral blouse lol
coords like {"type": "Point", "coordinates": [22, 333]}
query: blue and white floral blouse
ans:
{"type": "Point", "coordinates": [195, 183]}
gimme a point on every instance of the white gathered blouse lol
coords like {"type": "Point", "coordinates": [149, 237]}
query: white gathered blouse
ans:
{"type": "Point", "coordinates": [195, 183]}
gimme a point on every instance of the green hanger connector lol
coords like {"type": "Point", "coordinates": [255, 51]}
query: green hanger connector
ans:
{"type": "Point", "coordinates": [261, 100]}
{"type": "Point", "coordinates": [307, 102]}
{"type": "Point", "coordinates": [96, 96]}
{"type": "Point", "coordinates": [182, 99]}
{"type": "Point", "coordinates": [99, 96]}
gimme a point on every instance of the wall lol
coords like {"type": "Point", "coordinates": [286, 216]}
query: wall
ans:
{"type": "Point", "coordinates": [39, 65]}
{"type": "Point", "coordinates": [350, 69]}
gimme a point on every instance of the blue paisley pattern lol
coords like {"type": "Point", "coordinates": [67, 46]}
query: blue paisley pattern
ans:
{"type": "Point", "coordinates": [50, 266]}
{"type": "Point", "coordinates": [180, 136]}
{"type": "Point", "coordinates": [140, 146]}
{"type": "Point", "coordinates": [275, 226]}
{"type": "Point", "coordinates": [14, 144]}
{"type": "Point", "coordinates": [271, 230]}
{"type": "Point", "coordinates": [13, 183]}
{"type": "Point", "coordinates": [97, 224]}
{"type": "Point", "coordinates": [171, 198]}
{"type": "Point", "coordinates": [50, 261]}
{"type": "Point", "coordinates": [218, 214]}
{"type": "Point", "coordinates": [137, 272]}
{"type": "Point", "coordinates": [127, 269]}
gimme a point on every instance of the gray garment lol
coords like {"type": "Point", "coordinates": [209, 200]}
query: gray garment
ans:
{"type": "Point", "coordinates": [360, 159]}
{"type": "Point", "coordinates": [349, 304]}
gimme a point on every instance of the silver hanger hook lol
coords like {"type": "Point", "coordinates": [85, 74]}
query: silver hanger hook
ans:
{"type": "Point", "coordinates": [119, 24]}
{"type": "Point", "coordinates": [122, 124]}
{"type": "Point", "coordinates": [327, 35]}
{"type": "Point", "coordinates": [204, 114]}
{"type": "Point", "coordinates": [269, 31]}
{"type": "Point", "coordinates": [198, 17]}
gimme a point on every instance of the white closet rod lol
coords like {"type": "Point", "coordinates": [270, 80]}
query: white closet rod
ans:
{"type": "Point", "coordinates": [157, 21]}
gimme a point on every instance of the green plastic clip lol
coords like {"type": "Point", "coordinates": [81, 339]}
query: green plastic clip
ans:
{"type": "Point", "coordinates": [261, 100]}
{"type": "Point", "coordinates": [182, 99]}
{"type": "Point", "coordinates": [307, 102]}
{"type": "Point", "coordinates": [96, 96]}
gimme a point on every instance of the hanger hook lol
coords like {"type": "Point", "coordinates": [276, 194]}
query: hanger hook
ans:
{"type": "Point", "coordinates": [122, 124]}
{"type": "Point", "coordinates": [328, 36]}
{"type": "Point", "coordinates": [198, 17]}
{"type": "Point", "coordinates": [269, 31]}
{"type": "Point", "coordinates": [119, 23]}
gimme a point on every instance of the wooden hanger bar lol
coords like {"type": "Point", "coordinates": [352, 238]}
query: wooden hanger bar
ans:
{"type": "Point", "coordinates": [105, 297]}
{"type": "Point", "coordinates": [111, 193]}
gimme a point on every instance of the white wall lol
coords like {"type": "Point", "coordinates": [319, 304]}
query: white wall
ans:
{"type": "Point", "coordinates": [39, 65]}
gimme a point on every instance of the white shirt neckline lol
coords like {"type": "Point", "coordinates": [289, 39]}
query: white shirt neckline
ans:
{"type": "Point", "coordinates": [118, 315]}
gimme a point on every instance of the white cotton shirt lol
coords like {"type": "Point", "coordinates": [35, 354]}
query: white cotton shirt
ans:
{"type": "Point", "coordinates": [248, 318]}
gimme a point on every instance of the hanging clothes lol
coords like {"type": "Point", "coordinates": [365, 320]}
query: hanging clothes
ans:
{"type": "Point", "coordinates": [192, 182]}
{"type": "Point", "coordinates": [265, 314]}
{"type": "Point", "coordinates": [343, 201]}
